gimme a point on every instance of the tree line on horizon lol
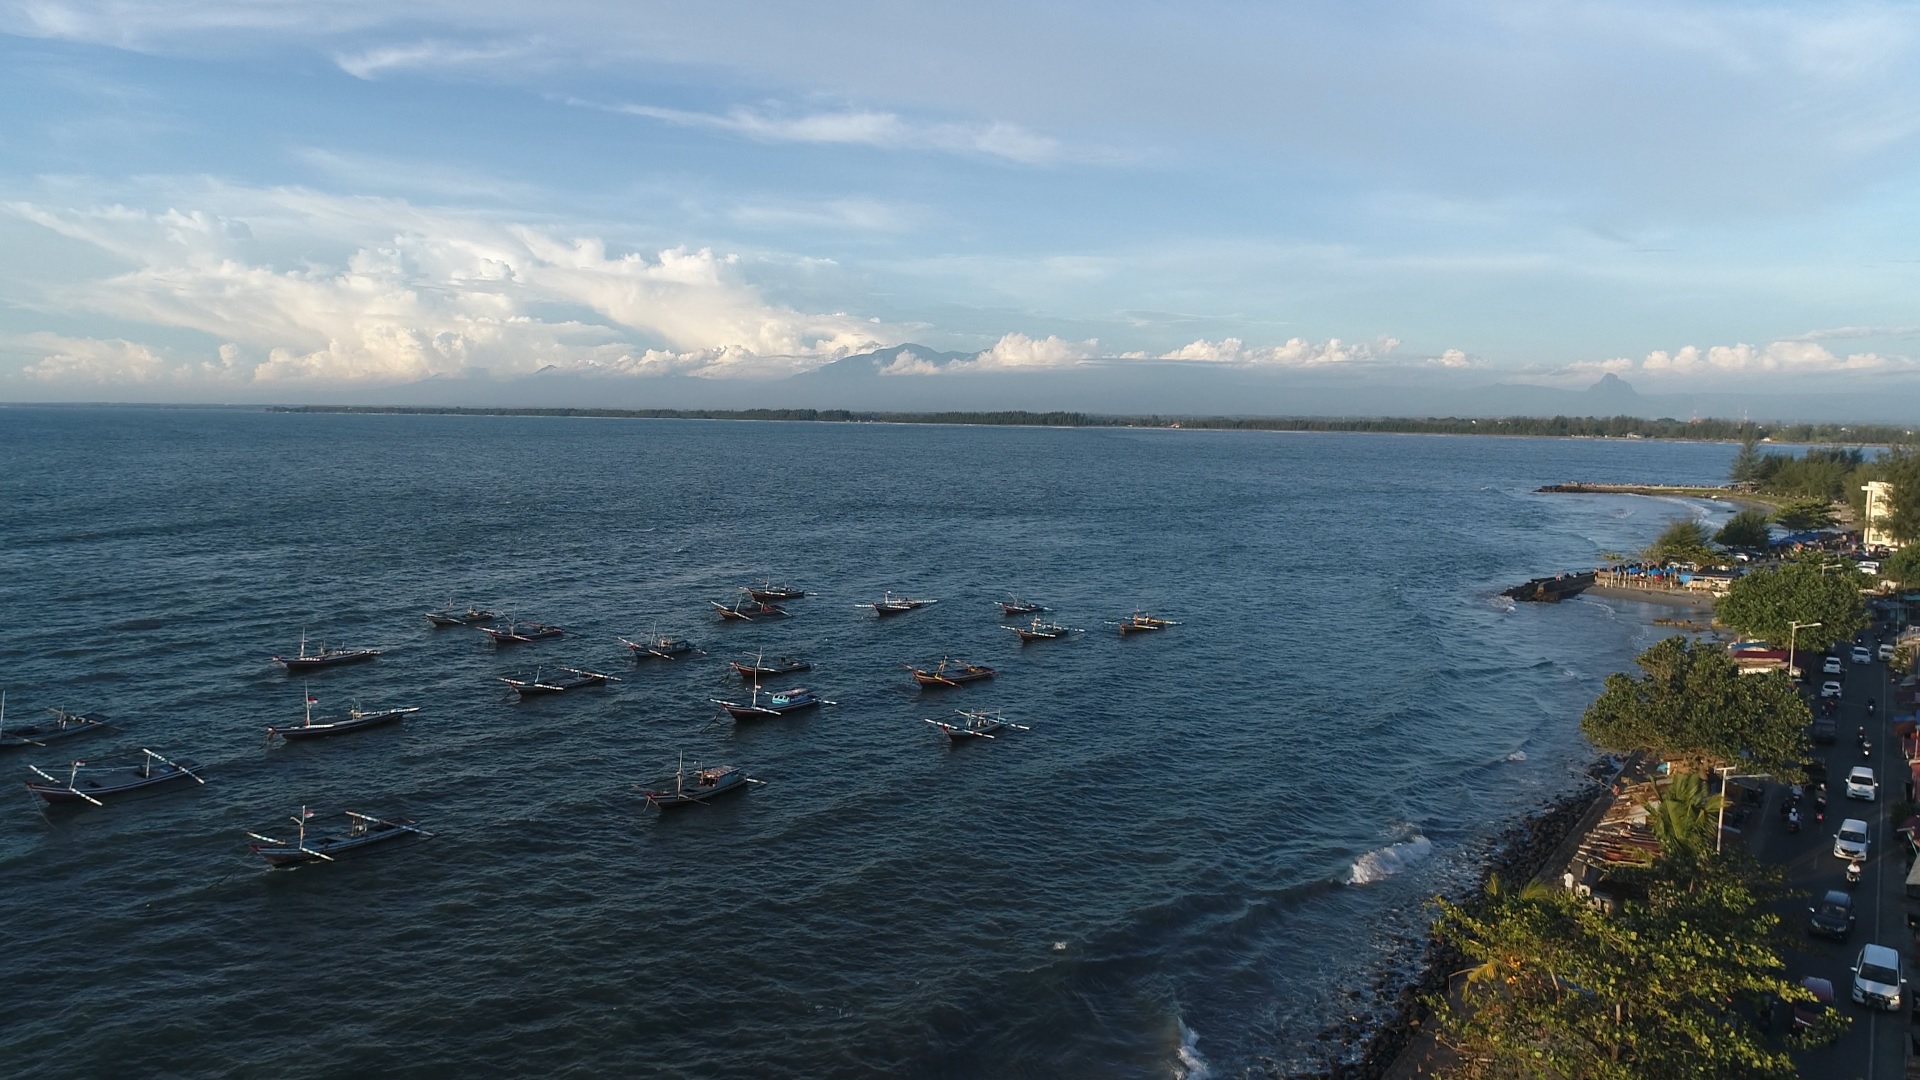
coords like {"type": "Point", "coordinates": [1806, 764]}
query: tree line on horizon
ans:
{"type": "Point", "coordinates": [1593, 427]}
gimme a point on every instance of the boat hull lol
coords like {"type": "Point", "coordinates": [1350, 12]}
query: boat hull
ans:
{"type": "Point", "coordinates": [673, 800]}
{"type": "Point", "coordinates": [521, 637]}
{"type": "Point", "coordinates": [748, 671]}
{"type": "Point", "coordinates": [283, 855]}
{"type": "Point", "coordinates": [328, 729]}
{"type": "Point", "coordinates": [40, 734]}
{"type": "Point", "coordinates": [130, 781]}
{"type": "Point", "coordinates": [316, 663]}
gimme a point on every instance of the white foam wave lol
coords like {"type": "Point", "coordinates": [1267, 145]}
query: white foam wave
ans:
{"type": "Point", "coordinates": [1189, 1065]}
{"type": "Point", "coordinates": [1517, 755]}
{"type": "Point", "coordinates": [1388, 861]}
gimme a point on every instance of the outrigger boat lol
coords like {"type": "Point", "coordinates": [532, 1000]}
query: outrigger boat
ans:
{"type": "Point", "coordinates": [152, 771]}
{"type": "Point", "coordinates": [364, 832]}
{"type": "Point", "coordinates": [951, 673]}
{"type": "Point", "coordinates": [747, 609]}
{"type": "Point", "coordinates": [889, 604]}
{"type": "Point", "coordinates": [447, 616]}
{"type": "Point", "coordinates": [325, 658]}
{"type": "Point", "coordinates": [64, 725]}
{"type": "Point", "coordinates": [519, 633]}
{"type": "Point", "coordinates": [356, 720]}
{"type": "Point", "coordinates": [658, 647]}
{"type": "Point", "coordinates": [1139, 622]}
{"type": "Point", "coordinates": [976, 725]}
{"type": "Point", "coordinates": [760, 669]}
{"type": "Point", "coordinates": [703, 786]}
{"type": "Point", "coordinates": [1017, 606]}
{"type": "Point", "coordinates": [1041, 631]}
{"type": "Point", "coordinates": [772, 703]}
{"type": "Point", "coordinates": [574, 679]}
{"type": "Point", "coordinates": [770, 592]}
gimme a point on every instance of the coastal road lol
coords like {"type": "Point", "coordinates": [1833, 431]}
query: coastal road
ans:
{"type": "Point", "coordinates": [1874, 1047]}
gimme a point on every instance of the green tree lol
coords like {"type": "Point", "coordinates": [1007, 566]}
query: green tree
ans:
{"type": "Point", "coordinates": [1692, 706]}
{"type": "Point", "coordinates": [1746, 529]}
{"type": "Point", "coordinates": [1560, 989]}
{"type": "Point", "coordinates": [1802, 515]}
{"type": "Point", "coordinates": [1685, 818]}
{"type": "Point", "coordinates": [1902, 470]}
{"type": "Point", "coordinates": [1746, 467]}
{"type": "Point", "coordinates": [1903, 566]}
{"type": "Point", "coordinates": [1764, 603]}
{"type": "Point", "coordinates": [1684, 541]}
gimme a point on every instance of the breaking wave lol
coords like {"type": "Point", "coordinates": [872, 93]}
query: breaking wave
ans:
{"type": "Point", "coordinates": [1388, 861]}
{"type": "Point", "coordinates": [1189, 1065]}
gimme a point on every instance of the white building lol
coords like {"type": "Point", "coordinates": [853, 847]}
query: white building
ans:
{"type": "Point", "coordinates": [1879, 509]}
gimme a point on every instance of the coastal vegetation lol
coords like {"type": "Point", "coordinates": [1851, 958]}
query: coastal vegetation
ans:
{"type": "Point", "coordinates": [1692, 706]}
{"type": "Point", "coordinates": [1684, 541]}
{"type": "Point", "coordinates": [1766, 604]}
{"type": "Point", "coordinates": [1825, 477]}
{"type": "Point", "coordinates": [1903, 567]}
{"type": "Point", "coordinates": [1746, 529]}
{"type": "Point", "coordinates": [1590, 427]}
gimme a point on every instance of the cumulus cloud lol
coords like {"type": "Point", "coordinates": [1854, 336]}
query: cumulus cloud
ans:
{"type": "Point", "coordinates": [413, 293]}
{"type": "Point", "coordinates": [1009, 142]}
{"type": "Point", "coordinates": [96, 361]}
{"type": "Point", "coordinates": [1302, 353]}
{"type": "Point", "coordinates": [1786, 357]}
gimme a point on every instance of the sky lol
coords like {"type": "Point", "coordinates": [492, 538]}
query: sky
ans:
{"type": "Point", "coordinates": [271, 199]}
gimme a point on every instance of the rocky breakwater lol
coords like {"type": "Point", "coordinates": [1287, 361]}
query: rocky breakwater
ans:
{"type": "Point", "coordinates": [1388, 1017]}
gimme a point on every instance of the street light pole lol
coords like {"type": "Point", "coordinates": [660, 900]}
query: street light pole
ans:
{"type": "Point", "coordinates": [1720, 833]}
{"type": "Point", "coordinates": [1793, 631]}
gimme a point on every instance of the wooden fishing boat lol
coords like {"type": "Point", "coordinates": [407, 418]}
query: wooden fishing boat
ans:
{"type": "Point", "coordinates": [64, 725]}
{"type": "Point", "coordinates": [703, 786]}
{"type": "Point", "coordinates": [976, 725]}
{"type": "Point", "coordinates": [365, 831]}
{"type": "Point", "coordinates": [771, 703]}
{"type": "Point", "coordinates": [769, 592]}
{"type": "Point", "coordinates": [951, 673]}
{"type": "Point", "coordinates": [355, 720]}
{"type": "Point", "coordinates": [765, 669]}
{"type": "Point", "coordinates": [472, 616]}
{"type": "Point", "coordinates": [540, 684]}
{"type": "Point", "coordinates": [1017, 606]}
{"type": "Point", "coordinates": [889, 604]}
{"type": "Point", "coordinates": [747, 609]}
{"type": "Point", "coordinates": [519, 633]}
{"type": "Point", "coordinates": [1041, 631]}
{"type": "Point", "coordinates": [658, 647]}
{"type": "Point", "coordinates": [152, 771]}
{"type": "Point", "coordinates": [1140, 622]}
{"type": "Point", "coordinates": [325, 658]}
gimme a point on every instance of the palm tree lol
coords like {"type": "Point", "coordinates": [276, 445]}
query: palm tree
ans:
{"type": "Point", "coordinates": [1685, 818]}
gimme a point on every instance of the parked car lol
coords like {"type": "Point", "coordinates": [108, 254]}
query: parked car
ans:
{"type": "Point", "coordinates": [1829, 689]}
{"type": "Point", "coordinates": [1851, 841]}
{"type": "Point", "coordinates": [1877, 978]}
{"type": "Point", "coordinates": [1860, 655]}
{"type": "Point", "coordinates": [1886, 650]}
{"type": "Point", "coordinates": [1861, 784]}
{"type": "Point", "coordinates": [1830, 666]}
{"type": "Point", "coordinates": [1832, 916]}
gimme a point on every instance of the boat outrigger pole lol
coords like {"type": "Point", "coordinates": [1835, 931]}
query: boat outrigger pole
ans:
{"type": "Point", "coordinates": [156, 757]}
{"type": "Point", "coordinates": [71, 776]}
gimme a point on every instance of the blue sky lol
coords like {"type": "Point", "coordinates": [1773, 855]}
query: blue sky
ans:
{"type": "Point", "coordinates": [206, 200]}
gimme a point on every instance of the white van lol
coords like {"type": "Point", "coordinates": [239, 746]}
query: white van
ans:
{"type": "Point", "coordinates": [1877, 979]}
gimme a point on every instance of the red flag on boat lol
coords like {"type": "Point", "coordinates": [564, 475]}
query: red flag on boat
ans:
{"type": "Point", "coordinates": [311, 700]}
{"type": "Point", "coordinates": [304, 812]}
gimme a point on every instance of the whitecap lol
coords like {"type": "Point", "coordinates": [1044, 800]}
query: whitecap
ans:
{"type": "Point", "coordinates": [1188, 1064]}
{"type": "Point", "coordinates": [1388, 861]}
{"type": "Point", "coordinates": [1517, 755]}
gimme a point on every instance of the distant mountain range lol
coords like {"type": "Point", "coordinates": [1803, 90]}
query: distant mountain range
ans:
{"type": "Point", "coordinates": [915, 378]}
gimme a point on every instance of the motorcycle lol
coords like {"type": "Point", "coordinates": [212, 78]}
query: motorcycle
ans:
{"type": "Point", "coordinates": [1820, 802]}
{"type": "Point", "coordinates": [1853, 873]}
{"type": "Point", "coordinates": [1793, 820]}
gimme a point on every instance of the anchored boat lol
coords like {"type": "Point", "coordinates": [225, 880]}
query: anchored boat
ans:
{"type": "Point", "coordinates": [764, 669]}
{"type": "Point", "coordinates": [747, 609]}
{"type": "Point", "coordinates": [356, 720]}
{"type": "Point", "coordinates": [658, 647]}
{"type": "Point", "coordinates": [703, 786]}
{"type": "Point", "coordinates": [472, 616]}
{"type": "Point", "coordinates": [976, 725]}
{"type": "Point", "coordinates": [64, 725]}
{"type": "Point", "coordinates": [365, 831]}
{"type": "Point", "coordinates": [152, 771]}
{"type": "Point", "coordinates": [1140, 622]}
{"type": "Point", "coordinates": [325, 658]}
{"type": "Point", "coordinates": [889, 604]}
{"type": "Point", "coordinates": [1017, 606]}
{"type": "Point", "coordinates": [1041, 631]}
{"type": "Point", "coordinates": [951, 673]}
{"type": "Point", "coordinates": [771, 703]}
{"type": "Point", "coordinates": [540, 684]}
{"type": "Point", "coordinates": [770, 592]}
{"type": "Point", "coordinates": [519, 633]}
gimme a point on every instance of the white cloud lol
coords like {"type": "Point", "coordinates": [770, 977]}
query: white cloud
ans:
{"type": "Point", "coordinates": [885, 130]}
{"type": "Point", "coordinates": [408, 293]}
{"type": "Point", "coordinates": [1793, 356]}
{"type": "Point", "coordinates": [908, 362]}
{"type": "Point", "coordinates": [1294, 352]}
{"type": "Point", "coordinates": [1018, 352]}
{"type": "Point", "coordinates": [94, 361]}
{"type": "Point", "coordinates": [424, 55]}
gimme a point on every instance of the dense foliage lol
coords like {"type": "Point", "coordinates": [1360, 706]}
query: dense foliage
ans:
{"type": "Point", "coordinates": [1903, 566]}
{"type": "Point", "coordinates": [1597, 427]}
{"type": "Point", "coordinates": [1802, 515]}
{"type": "Point", "coordinates": [1765, 603]}
{"type": "Point", "coordinates": [1671, 985]}
{"type": "Point", "coordinates": [1692, 706]}
{"type": "Point", "coordinates": [1684, 541]}
{"type": "Point", "coordinates": [1746, 529]}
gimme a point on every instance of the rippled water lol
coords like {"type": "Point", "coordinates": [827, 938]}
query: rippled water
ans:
{"type": "Point", "coordinates": [1208, 838]}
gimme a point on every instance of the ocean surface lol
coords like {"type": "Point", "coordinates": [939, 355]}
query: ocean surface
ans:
{"type": "Point", "coordinates": [1205, 850]}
